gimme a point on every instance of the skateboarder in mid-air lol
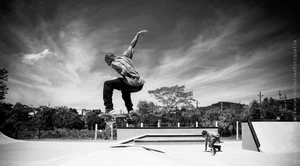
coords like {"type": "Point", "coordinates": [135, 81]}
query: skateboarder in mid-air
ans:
{"type": "Point", "coordinates": [130, 82]}
{"type": "Point", "coordinates": [211, 138]}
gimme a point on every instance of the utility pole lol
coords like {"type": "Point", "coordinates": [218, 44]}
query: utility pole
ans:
{"type": "Point", "coordinates": [221, 106]}
{"type": "Point", "coordinates": [260, 95]}
{"type": "Point", "coordinates": [279, 93]}
{"type": "Point", "coordinates": [285, 100]}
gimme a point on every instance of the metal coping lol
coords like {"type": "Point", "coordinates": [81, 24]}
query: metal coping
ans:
{"type": "Point", "coordinates": [167, 127]}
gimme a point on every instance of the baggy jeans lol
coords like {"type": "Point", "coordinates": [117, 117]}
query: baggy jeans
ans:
{"type": "Point", "coordinates": [125, 89]}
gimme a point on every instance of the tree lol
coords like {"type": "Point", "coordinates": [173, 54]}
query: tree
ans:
{"type": "Point", "coordinates": [254, 111]}
{"type": "Point", "coordinates": [44, 119]}
{"type": "Point", "coordinates": [18, 120]}
{"type": "Point", "coordinates": [3, 86]}
{"type": "Point", "coordinates": [92, 118]}
{"type": "Point", "coordinates": [264, 108]}
{"type": "Point", "coordinates": [210, 116]}
{"type": "Point", "coordinates": [5, 108]}
{"type": "Point", "coordinates": [76, 122]}
{"type": "Point", "coordinates": [68, 118]}
{"type": "Point", "coordinates": [63, 118]}
{"type": "Point", "coordinates": [269, 108]}
{"type": "Point", "coordinates": [226, 122]}
{"type": "Point", "coordinates": [285, 114]}
{"type": "Point", "coordinates": [73, 110]}
{"type": "Point", "coordinates": [172, 97]}
{"type": "Point", "coordinates": [147, 110]}
{"type": "Point", "coordinates": [189, 117]}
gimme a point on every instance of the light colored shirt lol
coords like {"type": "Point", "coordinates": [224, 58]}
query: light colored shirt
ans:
{"type": "Point", "coordinates": [124, 66]}
{"type": "Point", "coordinates": [210, 135]}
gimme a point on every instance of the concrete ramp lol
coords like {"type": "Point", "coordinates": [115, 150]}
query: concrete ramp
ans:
{"type": "Point", "coordinates": [273, 137]}
{"type": "Point", "coordinates": [6, 140]}
{"type": "Point", "coordinates": [278, 137]}
{"type": "Point", "coordinates": [250, 140]}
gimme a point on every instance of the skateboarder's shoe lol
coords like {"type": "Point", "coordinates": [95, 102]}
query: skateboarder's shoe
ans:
{"type": "Point", "coordinates": [128, 119]}
{"type": "Point", "coordinates": [133, 113]}
{"type": "Point", "coordinates": [131, 116]}
{"type": "Point", "coordinates": [109, 111]}
{"type": "Point", "coordinates": [213, 151]}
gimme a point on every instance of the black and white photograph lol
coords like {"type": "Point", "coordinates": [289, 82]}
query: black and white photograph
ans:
{"type": "Point", "coordinates": [149, 82]}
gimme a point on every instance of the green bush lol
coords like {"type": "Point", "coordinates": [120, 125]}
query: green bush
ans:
{"type": "Point", "coordinates": [63, 133]}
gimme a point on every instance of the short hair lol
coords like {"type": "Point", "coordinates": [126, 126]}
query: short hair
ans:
{"type": "Point", "coordinates": [109, 57]}
{"type": "Point", "coordinates": [204, 132]}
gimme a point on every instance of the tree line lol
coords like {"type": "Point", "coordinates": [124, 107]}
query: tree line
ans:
{"type": "Point", "coordinates": [224, 113]}
{"type": "Point", "coordinates": [20, 118]}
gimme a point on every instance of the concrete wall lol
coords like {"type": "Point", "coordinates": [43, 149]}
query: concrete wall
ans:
{"type": "Point", "coordinates": [127, 133]}
{"type": "Point", "coordinates": [274, 137]}
{"type": "Point", "coordinates": [278, 137]}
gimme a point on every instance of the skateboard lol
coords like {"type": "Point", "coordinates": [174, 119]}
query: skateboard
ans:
{"type": "Point", "coordinates": [112, 117]}
{"type": "Point", "coordinates": [119, 118]}
{"type": "Point", "coordinates": [213, 151]}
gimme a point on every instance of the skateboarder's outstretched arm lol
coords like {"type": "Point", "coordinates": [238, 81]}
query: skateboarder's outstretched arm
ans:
{"type": "Point", "coordinates": [136, 38]}
{"type": "Point", "coordinates": [130, 50]}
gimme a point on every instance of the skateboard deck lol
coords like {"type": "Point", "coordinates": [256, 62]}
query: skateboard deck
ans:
{"type": "Point", "coordinates": [105, 115]}
{"type": "Point", "coordinates": [112, 117]}
{"type": "Point", "coordinates": [118, 118]}
{"type": "Point", "coordinates": [218, 147]}
{"type": "Point", "coordinates": [119, 115]}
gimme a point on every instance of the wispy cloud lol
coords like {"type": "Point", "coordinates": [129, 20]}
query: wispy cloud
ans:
{"type": "Point", "coordinates": [30, 59]}
{"type": "Point", "coordinates": [219, 65]}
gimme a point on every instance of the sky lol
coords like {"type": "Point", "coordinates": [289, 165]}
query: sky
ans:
{"type": "Point", "coordinates": [221, 50]}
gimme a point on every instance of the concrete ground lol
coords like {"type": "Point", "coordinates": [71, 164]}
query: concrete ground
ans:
{"type": "Point", "coordinates": [109, 153]}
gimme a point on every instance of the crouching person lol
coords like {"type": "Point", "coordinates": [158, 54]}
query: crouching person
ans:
{"type": "Point", "coordinates": [211, 138]}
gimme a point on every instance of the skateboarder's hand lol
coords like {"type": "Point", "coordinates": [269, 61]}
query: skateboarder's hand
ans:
{"type": "Point", "coordinates": [123, 72]}
{"type": "Point", "coordinates": [141, 32]}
